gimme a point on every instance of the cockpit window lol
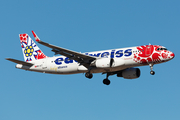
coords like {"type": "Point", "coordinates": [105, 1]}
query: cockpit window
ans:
{"type": "Point", "coordinates": [162, 49]}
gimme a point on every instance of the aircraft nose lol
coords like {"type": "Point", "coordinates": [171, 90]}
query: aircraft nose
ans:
{"type": "Point", "coordinates": [172, 55]}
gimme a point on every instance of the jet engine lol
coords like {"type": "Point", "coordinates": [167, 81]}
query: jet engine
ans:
{"type": "Point", "coordinates": [130, 73]}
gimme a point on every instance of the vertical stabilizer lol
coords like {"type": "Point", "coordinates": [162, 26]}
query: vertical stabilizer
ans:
{"type": "Point", "coordinates": [30, 50]}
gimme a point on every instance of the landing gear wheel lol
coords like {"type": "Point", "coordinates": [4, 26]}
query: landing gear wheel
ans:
{"type": "Point", "coordinates": [106, 81]}
{"type": "Point", "coordinates": [89, 75]}
{"type": "Point", "coordinates": [151, 66]}
{"type": "Point", "coordinates": [152, 72]}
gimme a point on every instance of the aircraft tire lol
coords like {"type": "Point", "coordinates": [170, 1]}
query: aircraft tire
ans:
{"type": "Point", "coordinates": [89, 75]}
{"type": "Point", "coordinates": [106, 81]}
{"type": "Point", "coordinates": [152, 72]}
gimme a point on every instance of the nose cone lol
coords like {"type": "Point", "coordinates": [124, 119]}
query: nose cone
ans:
{"type": "Point", "coordinates": [172, 55]}
{"type": "Point", "coordinates": [167, 55]}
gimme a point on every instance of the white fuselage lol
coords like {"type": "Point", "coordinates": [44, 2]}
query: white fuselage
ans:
{"type": "Point", "coordinates": [123, 58]}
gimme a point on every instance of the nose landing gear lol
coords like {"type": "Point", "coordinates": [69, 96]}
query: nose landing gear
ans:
{"type": "Point", "coordinates": [151, 72]}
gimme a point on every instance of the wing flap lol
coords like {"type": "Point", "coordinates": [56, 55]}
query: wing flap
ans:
{"type": "Point", "coordinates": [20, 62]}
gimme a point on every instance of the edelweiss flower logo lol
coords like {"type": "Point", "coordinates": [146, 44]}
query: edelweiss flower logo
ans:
{"type": "Point", "coordinates": [28, 51]}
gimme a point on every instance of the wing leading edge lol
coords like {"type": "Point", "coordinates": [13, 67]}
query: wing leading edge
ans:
{"type": "Point", "coordinates": [79, 57]}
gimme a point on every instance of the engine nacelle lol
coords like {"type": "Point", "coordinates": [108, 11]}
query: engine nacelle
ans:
{"type": "Point", "coordinates": [130, 73]}
{"type": "Point", "coordinates": [117, 62]}
{"type": "Point", "coordinates": [101, 63]}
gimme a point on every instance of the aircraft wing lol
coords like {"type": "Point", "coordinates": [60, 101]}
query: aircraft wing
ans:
{"type": "Point", "coordinates": [19, 62]}
{"type": "Point", "coordinates": [79, 57]}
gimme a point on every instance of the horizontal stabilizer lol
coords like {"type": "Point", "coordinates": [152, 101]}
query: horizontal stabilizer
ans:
{"type": "Point", "coordinates": [19, 62]}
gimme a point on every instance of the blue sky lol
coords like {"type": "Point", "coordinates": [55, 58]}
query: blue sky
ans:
{"type": "Point", "coordinates": [83, 26]}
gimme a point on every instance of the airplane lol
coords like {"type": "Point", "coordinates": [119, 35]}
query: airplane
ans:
{"type": "Point", "coordinates": [121, 62]}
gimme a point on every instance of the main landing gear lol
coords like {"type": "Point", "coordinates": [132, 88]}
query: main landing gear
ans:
{"type": "Point", "coordinates": [105, 81]}
{"type": "Point", "coordinates": [151, 72]}
{"type": "Point", "coordinates": [89, 75]}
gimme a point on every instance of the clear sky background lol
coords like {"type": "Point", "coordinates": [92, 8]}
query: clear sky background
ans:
{"type": "Point", "coordinates": [89, 25]}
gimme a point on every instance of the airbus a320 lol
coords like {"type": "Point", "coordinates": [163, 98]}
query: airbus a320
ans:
{"type": "Point", "coordinates": [120, 62]}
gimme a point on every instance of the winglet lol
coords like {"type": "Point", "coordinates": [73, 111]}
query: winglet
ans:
{"type": "Point", "coordinates": [36, 37]}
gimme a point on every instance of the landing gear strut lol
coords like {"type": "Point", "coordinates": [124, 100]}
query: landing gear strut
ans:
{"type": "Point", "coordinates": [89, 75]}
{"type": "Point", "coordinates": [107, 81]}
{"type": "Point", "coordinates": [151, 72]}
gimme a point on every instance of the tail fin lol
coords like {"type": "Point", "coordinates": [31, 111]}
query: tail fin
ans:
{"type": "Point", "coordinates": [30, 50]}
